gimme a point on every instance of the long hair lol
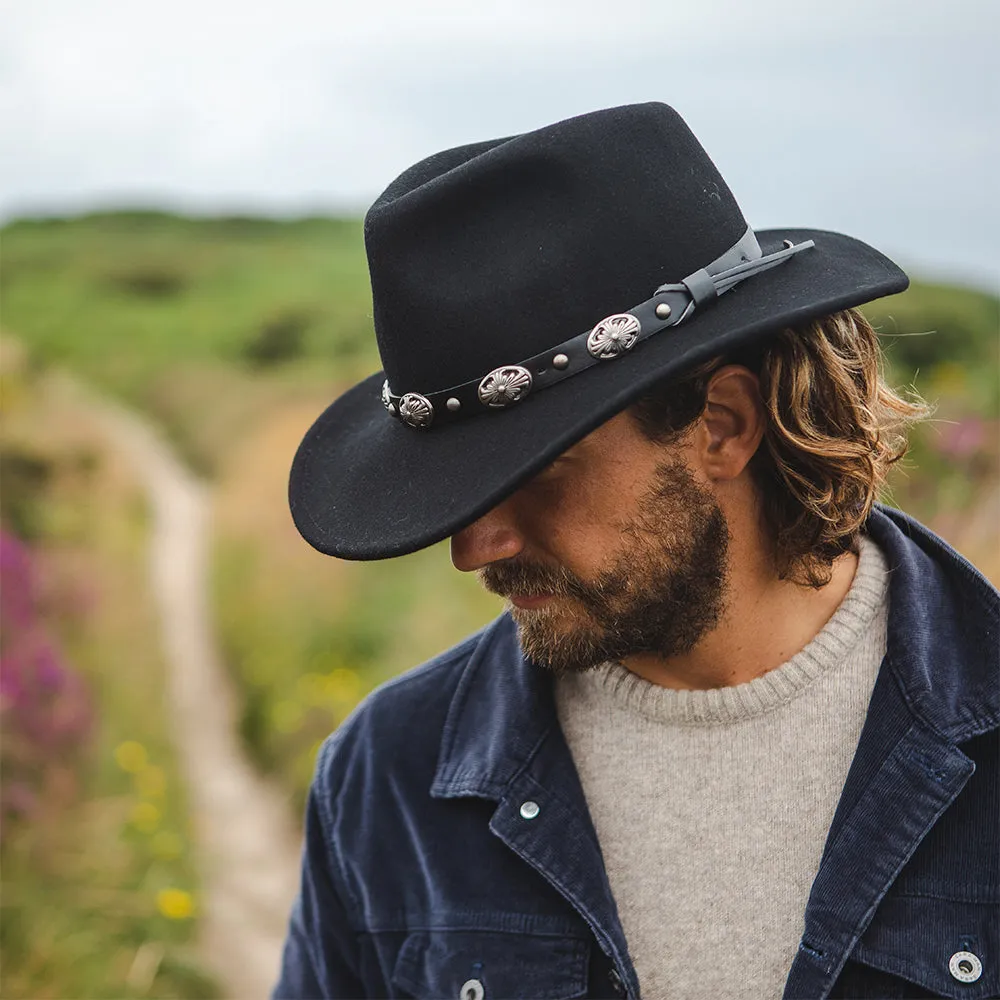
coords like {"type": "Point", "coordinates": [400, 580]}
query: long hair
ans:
{"type": "Point", "coordinates": [834, 428]}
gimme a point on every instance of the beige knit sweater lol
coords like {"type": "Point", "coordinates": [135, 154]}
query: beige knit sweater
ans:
{"type": "Point", "coordinates": [712, 807]}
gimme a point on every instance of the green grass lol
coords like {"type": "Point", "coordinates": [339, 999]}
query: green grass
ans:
{"type": "Point", "coordinates": [944, 338]}
{"type": "Point", "coordinates": [97, 881]}
{"type": "Point", "coordinates": [120, 297]}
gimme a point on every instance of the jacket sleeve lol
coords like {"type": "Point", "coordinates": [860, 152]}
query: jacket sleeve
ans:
{"type": "Point", "coordinates": [320, 956]}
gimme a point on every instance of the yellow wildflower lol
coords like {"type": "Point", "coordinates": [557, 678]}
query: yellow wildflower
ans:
{"type": "Point", "coordinates": [131, 756]}
{"type": "Point", "coordinates": [145, 817]}
{"type": "Point", "coordinates": [175, 904]}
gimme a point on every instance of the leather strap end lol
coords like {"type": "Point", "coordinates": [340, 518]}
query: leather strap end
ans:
{"type": "Point", "coordinates": [701, 286]}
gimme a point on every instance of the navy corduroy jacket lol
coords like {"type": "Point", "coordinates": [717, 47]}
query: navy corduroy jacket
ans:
{"type": "Point", "coordinates": [422, 878]}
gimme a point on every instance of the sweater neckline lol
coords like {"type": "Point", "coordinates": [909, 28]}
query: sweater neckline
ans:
{"type": "Point", "coordinates": [830, 648]}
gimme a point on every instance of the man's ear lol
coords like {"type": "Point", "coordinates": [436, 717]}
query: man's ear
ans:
{"type": "Point", "coordinates": [732, 422]}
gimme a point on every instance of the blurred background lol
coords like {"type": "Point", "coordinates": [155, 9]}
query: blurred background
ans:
{"type": "Point", "coordinates": [184, 289]}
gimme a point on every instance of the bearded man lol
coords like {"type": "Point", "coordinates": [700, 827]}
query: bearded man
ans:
{"type": "Point", "coordinates": [738, 734]}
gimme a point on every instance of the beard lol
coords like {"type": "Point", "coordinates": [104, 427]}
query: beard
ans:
{"type": "Point", "coordinates": [663, 590]}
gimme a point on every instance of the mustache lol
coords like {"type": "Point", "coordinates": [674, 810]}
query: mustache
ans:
{"type": "Point", "coordinates": [523, 578]}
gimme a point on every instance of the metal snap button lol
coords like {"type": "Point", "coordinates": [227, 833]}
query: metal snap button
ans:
{"type": "Point", "coordinates": [529, 809]}
{"type": "Point", "coordinates": [472, 989]}
{"type": "Point", "coordinates": [965, 967]}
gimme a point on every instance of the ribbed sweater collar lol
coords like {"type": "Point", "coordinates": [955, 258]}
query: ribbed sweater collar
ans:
{"type": "Point", "coordinates": [831, 647]}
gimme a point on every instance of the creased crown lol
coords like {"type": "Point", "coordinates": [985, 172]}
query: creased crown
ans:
{"type": "Point", "coordinates": [491, 252]}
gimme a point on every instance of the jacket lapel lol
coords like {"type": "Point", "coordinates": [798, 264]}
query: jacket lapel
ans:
{"type": "Point", "coordinates": [502, 742]}
{"type": "Point", "coordinates": [561, 844]}
{"type": "Point", "coordinates": [900, 803]}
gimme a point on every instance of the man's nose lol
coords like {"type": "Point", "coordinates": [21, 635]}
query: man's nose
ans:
{"type": "Point", "coordinates": [493, 537]}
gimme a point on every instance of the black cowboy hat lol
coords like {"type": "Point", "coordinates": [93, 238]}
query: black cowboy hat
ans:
{"type": "Point", "coordinates": [526, 290]}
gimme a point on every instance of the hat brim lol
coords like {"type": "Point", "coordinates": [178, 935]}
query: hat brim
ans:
{"type": "Point", "coordinates": [365, 486]}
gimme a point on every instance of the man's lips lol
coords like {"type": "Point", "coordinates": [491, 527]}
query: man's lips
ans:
{"type": "Point", "coordinates": [529, 601]}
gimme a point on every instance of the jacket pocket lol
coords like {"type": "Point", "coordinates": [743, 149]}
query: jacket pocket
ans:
{"type": "Point", "coordinates": [491, 965]}
{"type": "Point", "coordinates": [927, 941]}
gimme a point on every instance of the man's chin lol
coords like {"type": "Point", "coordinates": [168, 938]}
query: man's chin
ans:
{"type": "Point", "coordinates": [556, 641]}
{"type": "Point", "coordinates": [533, 602]}
{"type": "Point", "coordinates": [553, 615]}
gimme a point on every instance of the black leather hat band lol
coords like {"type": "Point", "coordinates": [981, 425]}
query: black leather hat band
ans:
{"type": "Point", "coordinates": [613, 337]}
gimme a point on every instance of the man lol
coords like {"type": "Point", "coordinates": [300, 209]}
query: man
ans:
{"type": "Point", "coordinates": [738, 734]}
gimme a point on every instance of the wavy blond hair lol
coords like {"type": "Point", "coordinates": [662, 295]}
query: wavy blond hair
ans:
{"type": "Point", "coordinates": [833, 431]}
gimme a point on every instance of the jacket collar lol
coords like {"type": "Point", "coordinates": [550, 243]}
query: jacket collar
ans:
{"type": "Point", "coordinates": [502, 710]}
{"type": "Point", "coordinates": [944, 655]}
{"type": "Point", "coordinates": [944, 629]}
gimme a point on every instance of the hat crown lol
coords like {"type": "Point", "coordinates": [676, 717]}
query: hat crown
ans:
{"type": "Point", "coordinates": [489, 253]}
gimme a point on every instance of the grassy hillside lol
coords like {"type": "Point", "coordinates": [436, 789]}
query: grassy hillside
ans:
{"type": "Point", "coordinates": [120, 296]}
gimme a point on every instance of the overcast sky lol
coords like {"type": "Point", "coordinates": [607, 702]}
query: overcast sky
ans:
{"type": "Point", "coordinates": [873, 117]}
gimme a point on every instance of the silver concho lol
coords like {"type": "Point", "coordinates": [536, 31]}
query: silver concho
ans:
{"type": "Point", "coordinates": [387, 397]}
{"type": "Point", "coordinates": [504, 386]}
{"type": "Point", "coordinates": [416, 410]}
{"type": "Point", "coordinates": [613, 336]}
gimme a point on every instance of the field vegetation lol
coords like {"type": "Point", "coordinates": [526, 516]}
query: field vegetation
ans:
{"type": "Point", "coordinates": [99, 894]}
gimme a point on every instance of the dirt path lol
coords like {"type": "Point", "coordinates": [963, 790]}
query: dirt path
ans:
{"type": "Point", "coordinates": [248, 846]}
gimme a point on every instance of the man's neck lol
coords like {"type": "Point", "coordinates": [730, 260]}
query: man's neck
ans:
{"type": "Point", "coordinates": [766, 622]}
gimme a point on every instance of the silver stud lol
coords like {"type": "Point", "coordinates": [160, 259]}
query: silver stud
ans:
{"type": "Point", "coordinates": [663, 311]}
{"type": "Point", "coordinates": [529, 809]}
{"type": "Point", "coordinates": [391, 408]}
{"type": "Point", "coordinates": [560, 361]}
{"type": "Point", "coordinates": [787, 244]}
{"type": "Point", "coordinates": [504, 386]}
{"type": "Point", "coordinates": [613, 336]}
{"type": "Point", "coordinates": [386, 400]}
{"type": "Point", "coordinates": [454, 404]}
{"type": "Point", "coordinates": [965, 967]}
{"type": "Point", "coordinates": [416, 410]}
